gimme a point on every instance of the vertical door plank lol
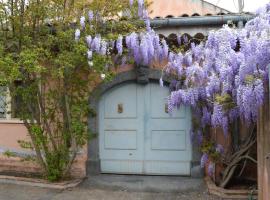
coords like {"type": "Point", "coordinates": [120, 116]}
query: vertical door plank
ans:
{"type": "Point", "coordinates": [263, 150]}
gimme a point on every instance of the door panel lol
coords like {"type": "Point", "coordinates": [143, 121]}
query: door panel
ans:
{"type": "Point", "coordinates": [168, 140]}
{"type": "Point", "coordinates": [156, 167]}
{"type": "Point", "coordinates": [120, 140]}
{"type": "Point", "coordinates": [121, 130]}
{"type": "Point", "coordinates": [167, 134]}
{"type": "Point", "coordinates": [138, 136]}
{"type": "Point", "coordinates": [121, 103]}
{"type": "Point", "coordinates": [158, 103]}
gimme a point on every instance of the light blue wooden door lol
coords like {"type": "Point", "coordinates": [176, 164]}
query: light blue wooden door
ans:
{"type": "Point", "coordinates": [138, 136]}
{"type": "Point", "coordinates": [121, 127]}
{"type": "Point", "coordinates": [166, 140]}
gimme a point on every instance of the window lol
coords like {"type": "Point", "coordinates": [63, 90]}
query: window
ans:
{"type": "Point", "coordinates": [5, 103]}
{"type": "Point", "coordinates": [9, 107]}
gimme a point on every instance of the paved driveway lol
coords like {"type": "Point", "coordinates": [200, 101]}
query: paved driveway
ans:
{"type": "Point", "coordinates": [15, 192]}
{"type": "Point", "coordinates": [114, 187]}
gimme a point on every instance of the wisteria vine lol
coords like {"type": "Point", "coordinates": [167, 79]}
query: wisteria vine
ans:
{"type": "Point", "coordinates": [222, 79]}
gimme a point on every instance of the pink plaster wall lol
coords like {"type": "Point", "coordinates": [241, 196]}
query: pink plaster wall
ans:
{"type": "Point", "coordinates": [10, 133]}
{"type": "Point", "coordinates": [163, 8]}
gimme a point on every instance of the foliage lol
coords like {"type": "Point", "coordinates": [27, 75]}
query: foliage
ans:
{"type": "Point", "coordinates": [9, 154]}
{"type": "Point", "coordinates": [45, 68]}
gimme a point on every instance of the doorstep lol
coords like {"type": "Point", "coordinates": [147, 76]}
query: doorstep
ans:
{"type": "Point", "coordinates": [39, 182]}
{"type": "Point", "coordinates": [143, 183]}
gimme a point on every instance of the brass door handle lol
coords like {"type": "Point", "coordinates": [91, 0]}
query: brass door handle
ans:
{"type": "Point", "coordinates": [120, 108]}
{"type": "Point", "coordinates": [166, 108]}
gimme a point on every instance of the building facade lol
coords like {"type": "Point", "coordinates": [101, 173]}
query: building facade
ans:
{"type": "Point", "coordinates": [135, 133]}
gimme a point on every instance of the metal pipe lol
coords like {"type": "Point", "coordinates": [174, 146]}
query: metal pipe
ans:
{"type": "Point", "coordinates": [200, 20]}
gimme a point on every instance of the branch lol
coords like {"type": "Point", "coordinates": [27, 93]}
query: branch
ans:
{"type": "Point", "coordinates": [37, 149]}
{"type": "Point", "coordinates": [73, 139]}
{"type": "Point", "coordinates": [228, 177]}
{"type": "Point", "coordinates": [237, 157]}
{"type": "Point", "coordinates": [46, 124]}
{"type": "Point", "coordinates": [244, 166]}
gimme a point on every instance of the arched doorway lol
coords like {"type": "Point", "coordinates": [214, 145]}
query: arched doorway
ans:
{"type": "Point", "coordinates": [129, 77]}
{"type": "Point", "coordinates": [137, 135]}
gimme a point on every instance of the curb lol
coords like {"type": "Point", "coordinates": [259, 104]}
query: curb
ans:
{"type": "Point", "coordinates": [40, 182]}
{"type": "Point", "coordinates": [229, 194]}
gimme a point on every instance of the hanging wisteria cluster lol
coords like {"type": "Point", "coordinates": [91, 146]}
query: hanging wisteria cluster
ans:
{"type": "Point", "coordinates": [222, 79]}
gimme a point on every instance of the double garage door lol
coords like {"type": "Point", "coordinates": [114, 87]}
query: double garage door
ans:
{"type": "Point", "coordinates": [138, 136]}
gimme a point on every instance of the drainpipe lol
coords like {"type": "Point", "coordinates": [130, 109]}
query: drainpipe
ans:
{"type": "Point", "coordinates": [217, 20]}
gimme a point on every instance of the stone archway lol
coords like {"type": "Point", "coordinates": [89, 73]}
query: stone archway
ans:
{"type": "Point", "coordinates": [93, 161]}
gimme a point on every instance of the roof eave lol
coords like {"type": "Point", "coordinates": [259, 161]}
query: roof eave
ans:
{"type": "Point", "coordinates": [216, 20]}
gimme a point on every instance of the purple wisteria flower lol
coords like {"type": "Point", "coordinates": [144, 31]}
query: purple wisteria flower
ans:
{"type": "Point", "coordinates": [77, 34]}
{"type": "Point", "coordinates": [165, 49]}
{"type": "Point", "coordinates": [145, 14]}
{"type": "Point", "coordinates": [89, 55]}
{"type": "Point", "coordinates": [259, 92]}
{"type": "Point", "coordinates": [96, 44]}
{"type": "Point", "coordinates": [211, 169]}
{"type": "Point", "coordinates": [140, 2]}
{"type": "Point", "coordinates": [195, 74]}
{"type": "Point", "coordinates": [179, 40]}
{"type": "Point", "coordinates": [200, 137]}
{"type": "Point", "coordinates": [144, 52]}
{"type": "Point", "coordinates": [204, 160]}
{"type": "Point", "coordinates": [89, 41]}
{"type": "Point", "coordinates": [219, 119]}
{"type": "Point", "coordinates": [147, 23]}
{"type": "Point", "coordinates": [185, 39]}
{"type": "Point", "coordinates": [220, 149]}
{"type": "Point", "coordinates": [119, 45]}
{"type": "Point", "coordinates": [90, 15]}
{"type": "Point", "coordinates": [103, 48]}
{"type": "Point", "coordinates": [132, 41]}
{"type": "Point", "coordinates": [131, 2]}
{"type": "Point", "coordinates": [140, 8]}
{"type": "Point", "coordinates": [82, 22]}
{"type": "Point", "coordinates": [213, 85]}
{"type": "Point", "coordinates": [206, 117]}
{"type": "Point", "coordinates": [187, 59]}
